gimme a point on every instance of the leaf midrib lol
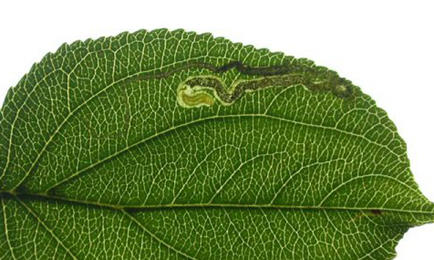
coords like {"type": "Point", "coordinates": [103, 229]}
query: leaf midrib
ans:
{"type": "Point", "coordinates": [42, 196]}
{"type": "Point", "coordinates": [126, 212]}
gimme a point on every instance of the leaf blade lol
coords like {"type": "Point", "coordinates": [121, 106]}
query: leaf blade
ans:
{"type": "Point", "coordinates": [157, 123]}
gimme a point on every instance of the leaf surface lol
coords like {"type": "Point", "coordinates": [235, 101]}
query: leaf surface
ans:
{"type": "Point", "coordinates": [173, 145]}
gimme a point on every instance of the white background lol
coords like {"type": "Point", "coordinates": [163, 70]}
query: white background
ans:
{"type": "Point", "coordinates": [385, 47]}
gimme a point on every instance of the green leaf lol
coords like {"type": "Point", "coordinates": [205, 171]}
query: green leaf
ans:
{"type": "Point", "coordinates": [174, 145]}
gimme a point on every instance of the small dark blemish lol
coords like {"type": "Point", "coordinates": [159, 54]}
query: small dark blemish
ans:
{"type": "Point", "coordinates": [376, 212]}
